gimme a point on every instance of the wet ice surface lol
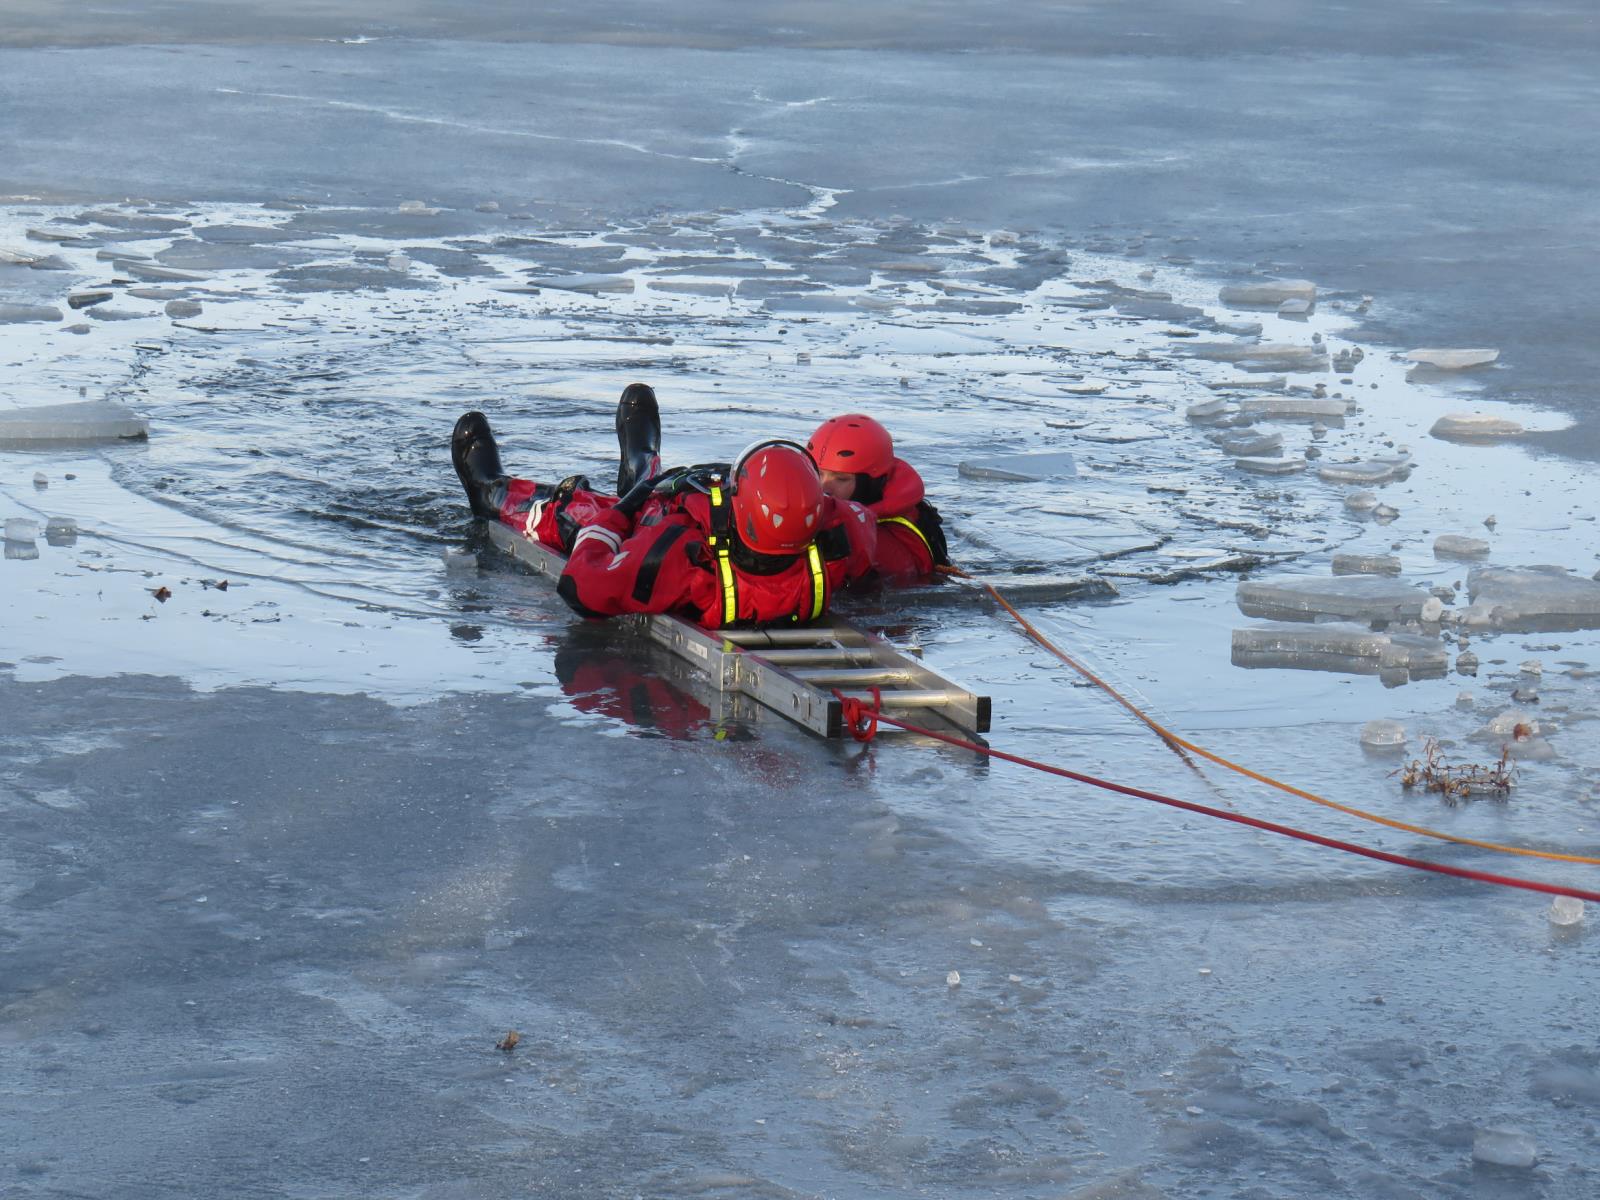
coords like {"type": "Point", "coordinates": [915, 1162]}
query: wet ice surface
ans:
{"type": "Point", "coordinates": [1142, 995]}
{"type": "Point", "coordinates": [291, 854]}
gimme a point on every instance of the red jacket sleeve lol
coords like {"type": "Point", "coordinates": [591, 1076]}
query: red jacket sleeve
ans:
{"type": "Point", "coordinates": [615, 569]}
{"type": "Point", "coordinates": [902, 491]}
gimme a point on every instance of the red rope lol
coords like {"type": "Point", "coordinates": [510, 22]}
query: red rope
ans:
{"type": "Point", "coordinates": [861, 721]}
{"type": "Point", "coordinates": [1401, 860]}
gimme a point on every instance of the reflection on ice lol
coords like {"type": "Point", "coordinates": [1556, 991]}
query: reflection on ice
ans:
{"type": "Point", "coordinates": [1342, 648]}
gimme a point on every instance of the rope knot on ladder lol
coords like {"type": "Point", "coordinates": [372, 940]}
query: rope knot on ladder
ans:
{"type": "Point", "coordinates": [860, 719]}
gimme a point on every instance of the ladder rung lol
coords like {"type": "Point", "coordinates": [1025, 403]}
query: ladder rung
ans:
{"type": "Point", "coordinates": [854, 677]}
{"type": "Point", "coordinates": [821, 656]}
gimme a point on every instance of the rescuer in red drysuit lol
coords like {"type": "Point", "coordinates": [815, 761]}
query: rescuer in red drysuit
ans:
{"type": "Point", "coordinates": [755, 543]}
{"type": "Point", "coordinates": [856, 457]}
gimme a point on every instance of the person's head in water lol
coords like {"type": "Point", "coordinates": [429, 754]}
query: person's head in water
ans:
{"type": "Point", "coordinates": [855, 455]}
{"type": "Point", "coordinates": [776, 503]}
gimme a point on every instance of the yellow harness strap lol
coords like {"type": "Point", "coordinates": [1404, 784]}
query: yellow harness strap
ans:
{"type": "Point", "coordinates": [721, 547]}
{"type": "Point", "coordinates": [911, 525]}
{"type": "Point", "coordinates": [819, 581]}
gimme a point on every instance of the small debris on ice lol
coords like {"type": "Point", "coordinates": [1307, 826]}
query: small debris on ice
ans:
{"type": "Point", "coordinates": [1452, 360]}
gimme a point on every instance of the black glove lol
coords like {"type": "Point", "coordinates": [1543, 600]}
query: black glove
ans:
{"type": "Point", "coordinates": [631, 503]}
{"type": "Point", "coordinates": [561, 494]}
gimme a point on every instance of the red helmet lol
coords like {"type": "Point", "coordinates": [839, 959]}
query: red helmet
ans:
{"type": "Point", "coordinates": [777, 498]}
{"type": "Point", "coordinates": [852, 445]}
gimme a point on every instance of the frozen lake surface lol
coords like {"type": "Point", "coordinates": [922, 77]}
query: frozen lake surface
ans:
{"type": "Point", "coordinates": [307, 797]}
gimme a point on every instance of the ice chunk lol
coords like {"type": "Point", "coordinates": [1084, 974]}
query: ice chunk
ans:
{"type": "Point", "coordinates": [1350, 597]}
{"type": "Point", "coordinates": [88, 299]}
{"type": "Point", "coordinates": [1294, 308]}
{"type": "Point", "coordinates": [61, 531]}
{"type": "Point", "coordinates": [40, 479]}
{"type": "Point", "coordinates": [21, 529]}
{"type": "Point", "coordinates": [399, 262]}
{"type": "Point", "coordinates": [1262, 356]}
{"type": "Point", "coordinates": [1269, 294]}
{"type": "Point", "coordinates": [1473, 427]}
{"type": "Point", "coordinates": [1515, 724]}
{"type": "Point", "coordinates": [16, 314]}
{"type": "Point", "coordinates": [1250, 443]}
{"type": "Point", "coordinates": [1271, 466]}
{"type": "Point", "coordinates": [1361, 502]}
{"type": "Point", "coordinates": [1273, 383]}
{"type": "Point", "coordinates": [460, 560]}
{"type": "Point", "coordinates": [1455, 545]}
{"type": "Point", "coordinates": [1503, 1146]}
{"type": "Point", "coordinates": [1452, 360]}
{"type": "Point", "coordinates": [1374, 471]}
{"type": "Point", "coordinates": [1366, 564]}
{"type": "Point", "coordinates": [152, 273]}
{"type": "Point", "coordinates": [87, 420]}
{"type": "Point", "coordinates": [1531, 598]}
{"type": "Point", "coordinates": [1383, 735]}
{"type": "Point", "coordinates": [1020, 468]}
{"type": "Point", "coordinates": [589, 285]}
{"type": "Point", "coordinates": [1566, 910]}
{"type": "Point", "coordinates": [1209, 410]}
{"type": "Point", "coordinates": [1466, 663]}
{"type": "Point", "coordinates": [1294, 408]}
{"type": "Point", "coordinates": [180, 309]}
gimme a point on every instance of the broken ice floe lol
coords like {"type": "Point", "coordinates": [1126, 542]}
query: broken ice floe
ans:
{"type": "Point", "coordinates": [1366, 564]}
{"type": "Point", "coordinates": [88, 420]}
{"type": "Point", "coordinates": [1294, 408]}
{"type": "Point", "coordinates": [1565, 910]}
{"type": "Point", "coordinates": [1019, 468]}
{"type": "Point", "coordinates": [1249, 443]}
{"type": "Point", "coordinates": [1530, 599]}
{"type": "Point", "coordinates": [1372, 472]}
{"type": "Point", "coordinates": [1269, 294]}
{"type": "Point", "coordinates": [1474, 427]}
{"type": "Point", "coordinates": [1260, 356]}
{"type": "Point", "coordinates": [1383, 735]}
{"type": "Point", "coordinates": [1504, 1147]}
{"type": "Point", "coordinates": [1455, 545]}
{"type": "Point", "coordinates": [1270, 466]}
{"type": "Point", "coordinates": [1452, 360]}
{"type": "Point", "coordinates": [21, 529]}
{"type": "Point", "coordinates": [1347, 597]}
{"type": "Point", "coordinates": [1361, 501]}
{"type": "Point", "coordinates": [1341, 648]}
{"type": "Point", "coordinates": [16, 314]}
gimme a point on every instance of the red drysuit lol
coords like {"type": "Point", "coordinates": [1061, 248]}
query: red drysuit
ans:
{"type": "Point", "coordinates": [662, 563]}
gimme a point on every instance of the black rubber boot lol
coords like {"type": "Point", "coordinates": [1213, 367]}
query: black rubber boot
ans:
{"type": "Point", "coordinates": [638, 436]}
{"type": "Point", "coordinates": [477, 461]}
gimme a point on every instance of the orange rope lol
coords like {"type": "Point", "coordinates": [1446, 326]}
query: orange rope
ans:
{"type": "Point", "coordinates": [1173, 740]}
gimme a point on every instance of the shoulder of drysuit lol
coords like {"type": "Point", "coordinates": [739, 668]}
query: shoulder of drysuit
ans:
{"type": "Point", "coordinates": [902, 491]}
